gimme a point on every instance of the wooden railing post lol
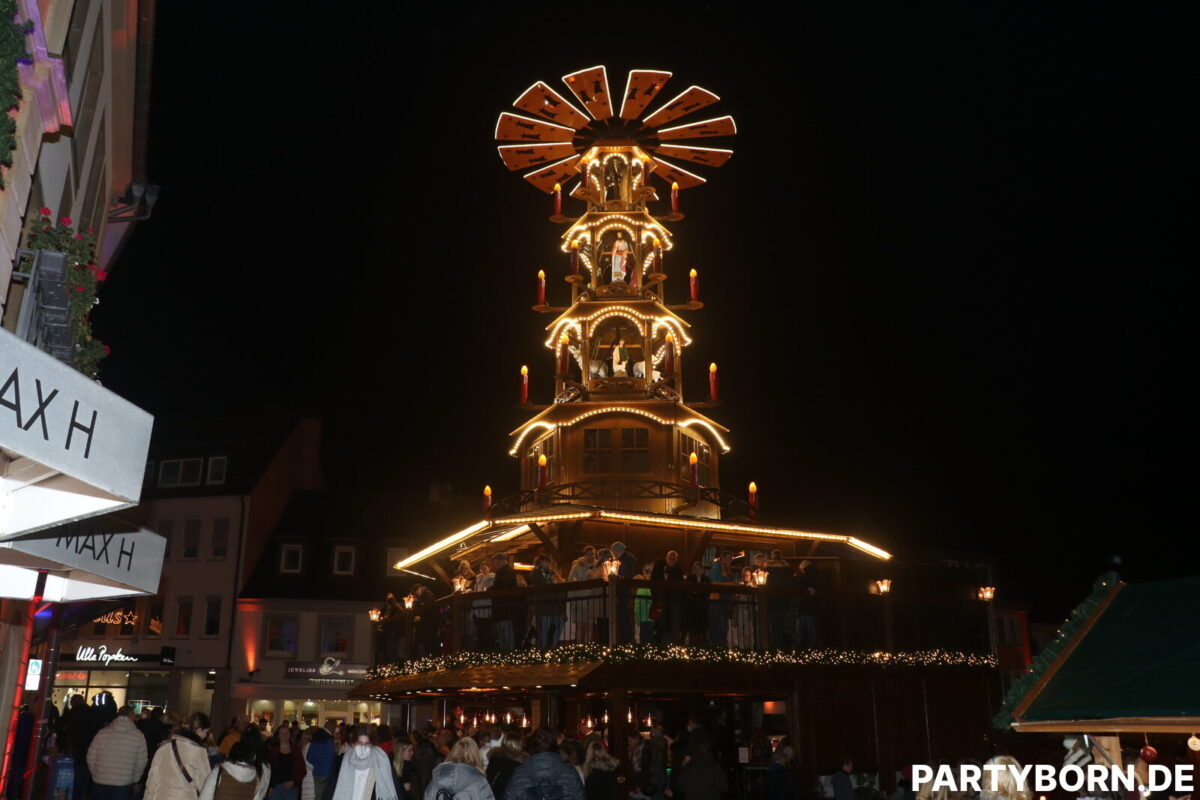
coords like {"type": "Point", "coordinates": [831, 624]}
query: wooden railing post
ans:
{"type": "Point", "coordinates": [613, 608]}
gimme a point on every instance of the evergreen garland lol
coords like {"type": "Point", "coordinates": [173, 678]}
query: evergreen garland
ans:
{"type": "Point", "coordinates": [12, 51]}
{"type": "Point", "coordinates": [1066, 632]}
{"type": "Point", "coordinates": [627, 653]}
{"type": "Point", "coordinates": [84, 278]}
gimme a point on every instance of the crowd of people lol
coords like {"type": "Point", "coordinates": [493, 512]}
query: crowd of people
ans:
{"type": "Point", "coordinates": [654, 613]}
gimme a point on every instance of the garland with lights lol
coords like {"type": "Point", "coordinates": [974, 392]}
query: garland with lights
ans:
{"type": "Point", "coordinates": [84, 278]}
{"type": "Point", "coordinates": [1066, 632]}
{"type": "Point", "coordinates": [628, 653]}
{"type": "Point", "coordinates": [12, 51]}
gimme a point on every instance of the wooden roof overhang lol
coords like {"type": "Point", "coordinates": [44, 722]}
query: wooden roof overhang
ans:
{"type": "Point", "coordinates": [665, 412]}
{"type": "Point", "coordinates": [514, 531]}
{"type": "Point", "coordinates": [586, 677]}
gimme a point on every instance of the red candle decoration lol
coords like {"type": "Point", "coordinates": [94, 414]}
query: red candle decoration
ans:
{"type": "Point", "coordinates": [675, 197]}
{"type": "Point", "coordinates": [541, 288]}
{"type": "Point", "coordinates": [694, 465]}
{"type": "Point", "coordinates": [557, 200]}
{"type": "Point", "coordinates": [712, 382]}
{"type": "Point", "coordinates": [753, 498]}
{"type": "Point", "coordinates": [564, 354]}
{"type": "Point", "coordinates": [487, 498]}
{"type": "Point", "coordinates": [657, 255]}
{"type": "Point", "coordinates": [543, 470]}
{"type": "Point", "coordinates": [524, 384]}
{"type": "Point", "coordinates": [575, 258]}
{"type": "Point", "coordinates": [694, 281]}
{"type": "Point", "coordinates": [669, 355]}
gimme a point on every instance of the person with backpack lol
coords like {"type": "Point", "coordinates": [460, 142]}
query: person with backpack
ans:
{"type": "Point", "coordinates": [503, 760]}
{"type": "Point", "coordinates": [365, 771]}
{"type": "Point", "coordinates": [544, 775]}
{"type": "Point", "coordinates": [600, 769]}
{"type": "Point", "coordinates": [240, 777]}
{"type": "Point", "coordinates": [180, 765]}
{"type": "Point", "coordinates": [117, 758]}
{"type": "Point", "coordinates": [460, 776]}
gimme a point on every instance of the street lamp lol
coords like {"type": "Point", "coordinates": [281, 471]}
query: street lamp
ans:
{"type": "Point", "coordinates": [883, 585]}
{"type": "Point", "coordinates": [987, 593]}
{"type": "Point", "coordinates": [408, 601]}
{"type": "Point", "coordinates": [375, 614]}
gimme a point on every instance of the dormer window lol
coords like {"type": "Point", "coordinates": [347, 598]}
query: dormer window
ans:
{"type": "Point", "coordinates": [216, 470]}
{"type": "Point", "coordinates": [290, 558]}
{"type": "Point", "coordinates": [180, 472]}
{"type": "Point", "coordinates": [343, 560]}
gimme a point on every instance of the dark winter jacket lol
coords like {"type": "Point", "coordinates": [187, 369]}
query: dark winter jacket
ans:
{"type": "Point", "coordinates": [544, 774]}
{"type": "Point", "coordinates": [502, 762]}
{"type": "Point", "coordinates": [601, 783]}
{"type": "Point", "coordinates": [702, 778]}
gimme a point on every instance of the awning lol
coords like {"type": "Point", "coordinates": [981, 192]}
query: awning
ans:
{"type": "Point", "coordinates": [89, 560]}
{"type": "Point", "coordinates": [1125, 662]}
{"type": "Point", "coordinates": [69, 448]}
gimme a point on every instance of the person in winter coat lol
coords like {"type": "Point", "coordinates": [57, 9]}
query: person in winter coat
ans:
{"type": "Point", "coordinates": [287, 765]}
{"type": "Point", "coordinates": [503, 761]}
{"type": "Point", "coordinates": [117, 758]}
{"type": "Point", "coordinates": [180, 765]}
{"type": "Point", "coordinates": [600, 771]}
{"type": "Point", "coordinates": [781, 781]}
{"type": "Point", "coordinates": [460, 776]}
{"type": "Point", "coordinates": [365, 771]}
{"type": "Point", "coordinates": [654, 762]}
{"type": "Point", "coordinates": [242, 777]}
{"type": "Point", "coordinates": [544, 773]}
{"type": "Point", "coordinates": [701, 777]}
{"type": "Point", "coordinates": [79, 725]}
{"type": "Point", "coordinates": [320, 754]}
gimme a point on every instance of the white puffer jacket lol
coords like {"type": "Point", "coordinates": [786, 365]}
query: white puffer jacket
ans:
{"type": "Point", "coordinates": [117, 756]}
{"type": "Point", "coordinates": [166, 782]}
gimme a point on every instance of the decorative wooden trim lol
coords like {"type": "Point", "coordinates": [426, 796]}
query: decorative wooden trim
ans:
{"type": "Point", "coordinates": [1067, 650]}
{"type": "Point", "coordinates": [1184, 725]}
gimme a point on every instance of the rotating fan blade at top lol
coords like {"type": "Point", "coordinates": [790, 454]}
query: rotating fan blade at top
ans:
{"type": "Point", "coordinates": [710, 156]}
{"type": "Point", "coordinates": [558, 172]}
{"type": "Point", "coordinates": [673, 174]}
{"type": "Point", "coordinates": [692, 99]}
{"type": "Point", "coordinates": [542, 101]}
{"type": "Point", "coordinates": [515, 128]}
{"type": "Point", "coordinates": [642, 86]}
{"type": "Point", "coordinates": [519, 156]}
{"type": "Point", "coordinates": [721, 126]}
{"type": "Point", "coordinates": [591, 87]}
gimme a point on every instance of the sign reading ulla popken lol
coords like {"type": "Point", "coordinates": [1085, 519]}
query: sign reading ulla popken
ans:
{"type": "Point", "coordinates": [101, 654]}
{"type": "Point", "coordinates": [53, 415]}
{"type": "Point", "coordinates": [331, 671]}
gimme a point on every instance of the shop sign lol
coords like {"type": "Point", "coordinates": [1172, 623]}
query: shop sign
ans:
{"type": "Point", "coordinates": [108, 654]}
{"type": "Point", "coordinates": [331, 671]}
{"type": "Point", "coordinates": [109, 548]}
{"type": "Point", "coordinates": [33, 675]}
{"type": "Point", "coordinates": [56, 417]}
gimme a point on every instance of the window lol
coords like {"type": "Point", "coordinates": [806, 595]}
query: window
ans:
{"type": "Point", "coordinates": [335, 636]}
{"type": "Point", "coordinates": [180, 472]}
{"type": "Point", "coordinates": [220, 539]}
{"type": "Point", "coordinates": [281, 636]}
{"type": "Point", "coordinates": [191, 538]}
{"type": "Point", "coordinates": [154, 622]}
{"type": "Point", "coordinates": [546, 446]}
{"type": "Point", "coordinates": [343, 560]}
{"type": "Point", "coordinates": [635, 450]}
{"type": "Point", "coordinates": [704, 459]}
{"type": "Point", "coordinates": [597, 450]}
{"type": "Point", "coordinates": [183, 616]}
{"type": "Point", "coordinates": [290, 558]}
{"type": "Point", "coordinates": [212, 616]}
{"type": "Point", "coordinates": [166, 528]}
{"type": "Point", "coordinates": [216, 470]}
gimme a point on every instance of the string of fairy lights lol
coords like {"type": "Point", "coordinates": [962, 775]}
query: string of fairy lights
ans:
{"type": "Point", "coordinates": [653, 653]}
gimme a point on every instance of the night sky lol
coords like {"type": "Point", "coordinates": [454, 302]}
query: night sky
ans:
{"type": "Point", "coordinates": [941, 268]}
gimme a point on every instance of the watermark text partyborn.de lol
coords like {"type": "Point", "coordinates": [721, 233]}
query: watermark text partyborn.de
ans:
{"type": "Point", "coordinates": [1090, 778]}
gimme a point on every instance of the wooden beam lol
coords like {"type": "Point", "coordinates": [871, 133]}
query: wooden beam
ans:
{"type": "Point", "coordinates": [441, 571]}
{"type": "Point", "coordinates": [698, 551]}
{"type": "Point", "coordinates": [1178, 725]}
{"type": "Point", "coordinates": [547, 542]}
{"type": "Point", "coordinates": [812, 548]}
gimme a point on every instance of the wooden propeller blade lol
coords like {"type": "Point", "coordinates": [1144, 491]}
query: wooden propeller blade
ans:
{"type": "Point", "coordinates": [542, 101]}
{"type": "Point", "coordinates": [673, 174]}
{"type": "Point", "coordinates": [558, 172]}
{"type": "Point", "coordinates": [692, 99]}
{"type": "Point", "coordinates": [712, 156]}
{"type": "Point", "coordinates": [642, 86]}
{"type": "Point", "coordinates": [591, 87]}
{"type": "Point", "coordinates": [721, 126]}
{"type": "Point", "coordinates": [515, 128]}
{"type": "Point", "coordinates": [520, 156]}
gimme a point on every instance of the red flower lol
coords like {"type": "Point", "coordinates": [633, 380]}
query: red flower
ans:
{"type": "Point", "coordinates": [45, 212]}
{"type": "Point", "coordinates": [107, 350]}
{"type": "Point", "coordinates": [90, 230]}
{"type": "Point", "coordinates": [65, 220]}
{"type": "Point", "coordinates": [100, 274]}
{"type": "Point", "coordinates": [79, 236]}
{"type": "Point", "coordinates": [77, 287]}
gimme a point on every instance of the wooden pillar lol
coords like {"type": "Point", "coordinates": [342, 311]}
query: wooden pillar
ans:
{"type": "Point", "coordinates": [795, 730]}
{"type": "Point", "coordinates": [618, 738]}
